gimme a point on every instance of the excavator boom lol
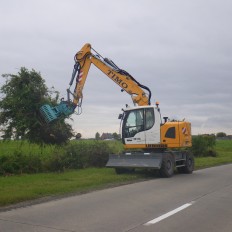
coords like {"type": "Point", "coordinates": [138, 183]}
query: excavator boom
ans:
{"type": "Point", "coordinates": [140, 94]}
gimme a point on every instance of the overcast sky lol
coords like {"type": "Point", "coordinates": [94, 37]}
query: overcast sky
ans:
{"type": "Point", "coordinates": [180, 49]}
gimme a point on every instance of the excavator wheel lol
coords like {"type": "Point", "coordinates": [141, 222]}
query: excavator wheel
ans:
{"type": "Point", "coordinates": [167, 166]}
{"type": "Point", "coordinates": [189, 164]}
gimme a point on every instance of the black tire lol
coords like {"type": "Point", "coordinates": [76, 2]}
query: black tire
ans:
{"type": "Point", "coordinates": [167, 167]}
{"type": "Point", "coordinates": [189, 164]}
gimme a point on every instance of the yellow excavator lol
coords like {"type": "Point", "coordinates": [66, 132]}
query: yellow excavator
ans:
{"type": "Point", "coordinates": [150, 142]}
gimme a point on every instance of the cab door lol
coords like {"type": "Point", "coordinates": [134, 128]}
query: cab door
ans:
{"type": "Point", "coordinates": [133, 127]}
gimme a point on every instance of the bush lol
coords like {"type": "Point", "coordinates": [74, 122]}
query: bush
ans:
{"type": "Point", "coordinates": [221, 134]}
{"type": "Point", "coordinates": [21, 157]}
{"type": "Point", "coordinates": [203, 145]}
{"type": "Point", "coordinates": [84, 154]}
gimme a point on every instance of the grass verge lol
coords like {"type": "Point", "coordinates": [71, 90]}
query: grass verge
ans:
{"type": "Point", "coordinates": [14, 189]}
{"type": "Point", "coordinates": [19, 188]}
{"type": "Point", "coordinates": [224, 155]}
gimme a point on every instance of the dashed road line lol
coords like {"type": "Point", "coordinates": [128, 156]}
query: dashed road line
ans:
{"type": "Point", "coordinates": [166, 215]}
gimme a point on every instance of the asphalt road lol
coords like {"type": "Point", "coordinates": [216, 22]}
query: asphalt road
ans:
{"type": "Point", "coordinates": [198, 202]}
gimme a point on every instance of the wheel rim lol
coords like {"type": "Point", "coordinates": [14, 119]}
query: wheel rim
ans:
{"type": "Point", "coordinates": [169, 164]}
{"type": "Point", "coordinates": [190, 162]}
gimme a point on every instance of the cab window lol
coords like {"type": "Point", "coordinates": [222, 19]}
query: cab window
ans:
{"type": "Point", "coordinates": [134, 123]}
{"type": "Point", "coordinates": [150, 118]}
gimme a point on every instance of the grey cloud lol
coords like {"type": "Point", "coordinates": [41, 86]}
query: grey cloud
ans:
{"type": "Point", "coordinates": [181, 49]}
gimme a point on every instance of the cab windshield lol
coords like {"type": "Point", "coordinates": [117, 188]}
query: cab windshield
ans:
{"type": "Point", "coordinates": [136, 121]}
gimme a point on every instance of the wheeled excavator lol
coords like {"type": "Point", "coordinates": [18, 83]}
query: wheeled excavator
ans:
{"type": "Point", "coordinates": [150, 142]}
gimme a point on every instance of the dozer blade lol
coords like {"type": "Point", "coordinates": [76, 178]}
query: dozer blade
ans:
{"type": "Point", "coordinates": [136, 160]}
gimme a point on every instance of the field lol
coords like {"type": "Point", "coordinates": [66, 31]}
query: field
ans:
{"type": "Point", "coordinates": [224, 155]}
{"type": "Point", "coordinates": [16, 188]}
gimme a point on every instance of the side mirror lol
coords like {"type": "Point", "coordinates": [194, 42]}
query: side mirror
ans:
{"type": "Point", "coordinates": [120, 116]}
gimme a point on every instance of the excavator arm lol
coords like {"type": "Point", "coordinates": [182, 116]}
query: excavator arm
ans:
{"type": "Point", "coordinates": [87, 56]}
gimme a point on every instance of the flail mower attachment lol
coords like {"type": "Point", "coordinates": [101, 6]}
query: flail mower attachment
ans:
{"type": "Point", "coordinates": [50, 113]}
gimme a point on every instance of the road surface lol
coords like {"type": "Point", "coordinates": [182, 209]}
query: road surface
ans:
{"type": "Point", "coordinates": [198, 202]}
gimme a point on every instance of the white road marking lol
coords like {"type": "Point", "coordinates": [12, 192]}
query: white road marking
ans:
{"type": "Point", "coordinates": [166, 215]}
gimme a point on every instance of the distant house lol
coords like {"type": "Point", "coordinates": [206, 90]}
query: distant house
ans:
{"type": "Point", "coordinates": [227, 137]}
{"type": "Point", "coordinates": [107, 136]}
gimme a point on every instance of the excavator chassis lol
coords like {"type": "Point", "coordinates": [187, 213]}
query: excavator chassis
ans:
{"type": "Point", "coordinates": [164, 161]}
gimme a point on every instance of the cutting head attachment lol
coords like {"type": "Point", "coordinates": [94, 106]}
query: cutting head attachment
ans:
{"type": "Point", "coordinates": [50, 113]}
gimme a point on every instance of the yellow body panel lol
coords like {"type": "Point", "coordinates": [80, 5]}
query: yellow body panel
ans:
{"type": "Point", "coordinates": [176, 134]}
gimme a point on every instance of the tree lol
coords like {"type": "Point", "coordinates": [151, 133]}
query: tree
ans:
{"type": "Point", "coordinates": [221, 134]}
{"type": "Point", "coordinates": [97, 136]}
{"type": "Point", "coordinates": [23, 95]}
{"type": "Point", "coordinates": [116, 136]}
{"type": "Point", "coordinates": [78, 136]}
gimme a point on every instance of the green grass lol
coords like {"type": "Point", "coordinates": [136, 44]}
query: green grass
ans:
{"type": "Point", "coordinates": [224, 155]}
{"type": "Point", "coordinates": [14, 189]}
{"type": "Point", "coordinates": [9, 147]}
{"type": "Point", "coordinates": [18, 188]}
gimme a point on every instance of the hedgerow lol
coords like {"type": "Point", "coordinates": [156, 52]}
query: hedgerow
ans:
{"type": "Point", "coordinates": [203, 145]}
{"type": "Point", "coordinates": [18, 157]}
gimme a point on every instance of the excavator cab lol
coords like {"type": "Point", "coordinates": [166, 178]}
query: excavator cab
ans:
{"type": "Point", "coordinates": [141, 126]}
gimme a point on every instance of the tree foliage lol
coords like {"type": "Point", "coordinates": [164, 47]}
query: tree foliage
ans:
{"type": "Point", "coordinates": [116, 136]}
{"type": "Point", "coordinates": [97, 136]}
{"type": "Point", "coordinates": [21, 97]}
{"type": "Point", "coordinates": [221, 134]}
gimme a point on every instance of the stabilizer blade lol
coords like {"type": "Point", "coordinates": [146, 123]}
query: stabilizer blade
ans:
{"type": "Point", "coordinates": [135, 160]}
